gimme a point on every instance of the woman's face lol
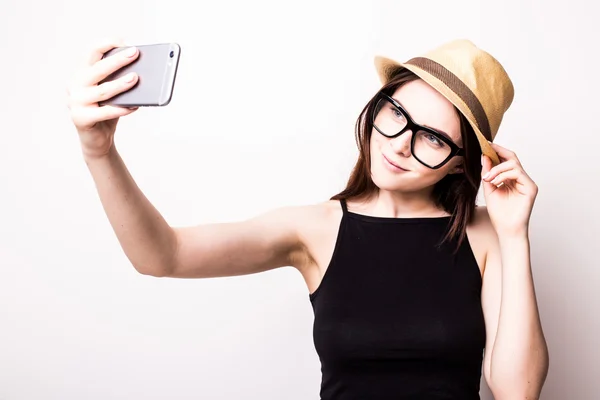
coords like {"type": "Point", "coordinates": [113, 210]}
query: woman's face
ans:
{"type": "Point", "coordinates": [426, 107]}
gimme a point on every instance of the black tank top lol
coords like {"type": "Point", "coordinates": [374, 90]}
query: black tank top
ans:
{"type": "Point", "coordinates": [396, 316]}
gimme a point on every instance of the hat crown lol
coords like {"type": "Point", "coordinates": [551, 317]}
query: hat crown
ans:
{"type": "Point", "coordinates": [481, 73]}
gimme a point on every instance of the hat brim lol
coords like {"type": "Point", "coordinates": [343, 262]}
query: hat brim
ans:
{"type": "Point", "coordinates": [387, 68]}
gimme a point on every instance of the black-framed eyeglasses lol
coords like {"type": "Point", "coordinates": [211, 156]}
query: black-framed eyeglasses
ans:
{"type": "Point", "coordinates": [430, 147]}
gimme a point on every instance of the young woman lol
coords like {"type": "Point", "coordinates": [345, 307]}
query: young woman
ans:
{"type": "Point", "coordinates": [415, 289]}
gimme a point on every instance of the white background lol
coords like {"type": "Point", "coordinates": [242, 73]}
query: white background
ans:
{"type": "Point", "coordinates": [262, 116]}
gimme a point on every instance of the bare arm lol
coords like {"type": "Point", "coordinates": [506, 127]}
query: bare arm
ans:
{"type": "Point", "coordinates": [154, 248]}
{"type": "Point", "coordinates": [146, 238]}
{"type": "Point", "coordinates": [516, 356]}
{"type": "Point", "coordinates": [258, 244]}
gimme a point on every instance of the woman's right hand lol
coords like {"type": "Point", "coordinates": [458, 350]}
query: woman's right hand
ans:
{"type": "Point", "coordinates": [96, 124]}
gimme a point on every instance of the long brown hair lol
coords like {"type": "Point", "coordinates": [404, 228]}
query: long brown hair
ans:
{"type": "Point", "coordinates": [455, 193]}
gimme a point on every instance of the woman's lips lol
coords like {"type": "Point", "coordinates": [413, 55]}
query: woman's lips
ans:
{"type": "Point", "coordinates": [393, 166]}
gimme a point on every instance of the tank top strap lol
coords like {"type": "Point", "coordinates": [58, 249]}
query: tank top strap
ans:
{"type": "Point", "coordinates": [344, 206]}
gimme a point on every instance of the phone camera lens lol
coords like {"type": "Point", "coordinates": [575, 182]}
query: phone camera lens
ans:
{"type": "Point", "coordinates": [171, 54]}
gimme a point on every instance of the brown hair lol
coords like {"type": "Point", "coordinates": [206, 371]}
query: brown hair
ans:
{"type": "Point", "coordinates": [455, 193]}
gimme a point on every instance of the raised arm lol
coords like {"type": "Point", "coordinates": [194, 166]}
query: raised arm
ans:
{"type": "Point", "coordinates": [154, 248]}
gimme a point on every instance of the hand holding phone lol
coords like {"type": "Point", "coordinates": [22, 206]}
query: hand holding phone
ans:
{"type": "Point", "coordinates": [102, 91]}
{"type": "Point", "coordinates": [156, 69]}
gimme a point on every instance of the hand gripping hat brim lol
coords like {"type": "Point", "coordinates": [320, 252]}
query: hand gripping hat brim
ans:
{"type": "Point", "coordinates": [470, 78]}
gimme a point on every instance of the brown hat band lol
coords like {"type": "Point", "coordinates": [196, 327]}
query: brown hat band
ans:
{"type": "Point", "coordinates": [459, 88]}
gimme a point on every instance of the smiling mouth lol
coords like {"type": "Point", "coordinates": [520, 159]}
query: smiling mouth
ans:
{"type": "Point", "coordinates": [395, 165]}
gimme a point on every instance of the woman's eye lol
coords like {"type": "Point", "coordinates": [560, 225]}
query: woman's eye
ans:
{"type": "Point", "coordinates": [433, 139]}
{"type": "Point", "coordinates": [397, 113]}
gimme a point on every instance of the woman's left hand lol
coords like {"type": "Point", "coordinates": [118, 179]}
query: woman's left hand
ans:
{"type": "Point", "coordinates": [509, 193]}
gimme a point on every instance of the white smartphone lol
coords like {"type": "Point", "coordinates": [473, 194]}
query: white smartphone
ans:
{"type": "Point", "coordinates": [156, 67]}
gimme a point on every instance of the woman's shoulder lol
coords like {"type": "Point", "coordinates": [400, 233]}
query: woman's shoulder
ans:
{"type": "Point", "coordinates": [310, 220]}
{"type": "Point", "coordinates": [481, 221]}
{"type": "Point", "coordinates": [316, 216]}
{"type": "Point", "coordinates": [316, 226]}
{"type": "Point", "coordinates": [316, 210]}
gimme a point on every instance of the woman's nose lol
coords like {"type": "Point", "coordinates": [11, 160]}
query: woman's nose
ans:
{"type": "Point", "coordinates": [401, 144]}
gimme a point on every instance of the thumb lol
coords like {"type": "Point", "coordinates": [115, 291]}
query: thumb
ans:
{"type": "Point", "coordinates": [486, 166]}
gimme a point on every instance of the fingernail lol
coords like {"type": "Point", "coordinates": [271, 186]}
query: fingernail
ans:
{"type": "Point", "coordinates": [486, 175]}
{"type": "Point", "coordinates": [129, 77]}
{"type": "Point", "coordinates": [130, 52]}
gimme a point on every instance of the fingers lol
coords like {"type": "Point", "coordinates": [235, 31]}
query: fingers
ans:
{"type": "Point", "coordinates": [98, 68]}
{"type": "Point", "coordinates": [508, 175]}
{"type": "Point", "coordinates": [106, 66]}
{"type": "Point", "coordinates": [98, 50]}
{"type": "Point", "coordinates": [500, 168]}
{"type": "Point", "coordinates": [84, 89]}
{"type": "Point", "coordinates": [504, 153]}
{"type": "Point", "coordinates": [505, 177]}
{"type": "Point", "coordinates": [84, 93]}
{"type": "Point", "coordinates": [517, 180]}
{"type": "Point", "coordinates": [486, 163]}
{"type": "Point", "coordinates": [89, 95]}
{"type": "Point", "coordinates": [501, 174]}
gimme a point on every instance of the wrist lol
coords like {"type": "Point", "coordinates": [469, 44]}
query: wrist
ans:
{"type": "Point", "coordinates": [513, 233]}
{"type": "Point", "coordinates": [507, 239]}
{"type": "Point", "coordinates": [93, 157]}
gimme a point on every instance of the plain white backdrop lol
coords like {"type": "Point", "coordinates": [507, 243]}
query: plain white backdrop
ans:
{"type": "Point", "coordinates": [262, 116]}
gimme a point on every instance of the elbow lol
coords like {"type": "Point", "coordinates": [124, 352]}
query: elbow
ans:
{"type": "Point", "coordinates": [517, 395]}
{"type": "Point", "coordinates": [527, 385]}
{"type": "Point", "coordinates": [515, 392]}
{"type": "Point", "coordinates": [152, 270]}
{"type": "Point", "coordinates": [159, 265]}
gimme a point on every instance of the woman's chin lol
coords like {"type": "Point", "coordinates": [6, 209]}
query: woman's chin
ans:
{"type": "Point", "coordinates": [387, 181]}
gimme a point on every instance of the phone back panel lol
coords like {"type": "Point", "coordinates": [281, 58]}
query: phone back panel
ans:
{"type": "Point", "coordinates": [156, 67]}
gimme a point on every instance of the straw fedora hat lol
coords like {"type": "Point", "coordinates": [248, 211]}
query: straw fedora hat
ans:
{"type": "Point", "coordinates": [469, 78]}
